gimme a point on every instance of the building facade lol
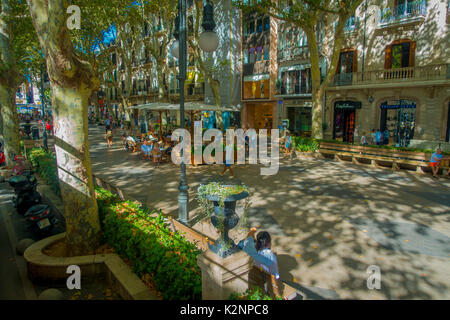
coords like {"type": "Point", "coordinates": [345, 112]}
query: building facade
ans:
{"type": "Point", "coordinates": [293, 84]}
{"type": "Point", "coordinates": [393, 74]}
{"type": "Point", "coordinates": [259, 72]}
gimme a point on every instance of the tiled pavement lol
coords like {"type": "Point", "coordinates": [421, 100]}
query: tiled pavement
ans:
{"type": "Point", "coordinates": [330, 221]}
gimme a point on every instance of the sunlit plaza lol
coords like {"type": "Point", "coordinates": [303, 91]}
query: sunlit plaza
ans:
{"type": "Point", "coordinates": [224, 150]}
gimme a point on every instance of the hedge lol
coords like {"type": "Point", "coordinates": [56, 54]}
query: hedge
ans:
{"type": "Point", "coordinates": [151, 247]}
{"type": "Point", "coordinates": [305, 144]}
{"type": "Point", "coordinates": [44, 163]}
{"type": "Point", "coordinates": [253, 294]}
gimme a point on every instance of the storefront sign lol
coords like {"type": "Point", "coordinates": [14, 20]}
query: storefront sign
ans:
{"type": "Point", "coordinates": [347, 105]}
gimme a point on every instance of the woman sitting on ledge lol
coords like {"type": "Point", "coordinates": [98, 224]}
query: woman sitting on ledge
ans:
{"type": "Point", "coordinates": [260, 251]}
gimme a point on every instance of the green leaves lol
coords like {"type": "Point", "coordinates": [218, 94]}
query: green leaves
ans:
{"type": "Point", "coordinates": [252, 294]}
{"type": "Point", "coordinates": [305, 144]}
{"type": "Point", "coordinates": [44, 163]}
{"type": "Point", "coordinates": [151, 247]}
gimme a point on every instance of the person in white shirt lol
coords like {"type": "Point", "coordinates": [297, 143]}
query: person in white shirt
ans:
{"type": "Point", "coordinates": [261, 252]}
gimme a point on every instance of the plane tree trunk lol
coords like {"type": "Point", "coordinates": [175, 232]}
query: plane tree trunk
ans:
{"type": "Point", "coordinates": [9, 81]}
{"type": "Point", "coordinates": [72, 82]}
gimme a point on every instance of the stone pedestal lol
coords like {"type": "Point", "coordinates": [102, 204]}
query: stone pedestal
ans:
{"type": "Point", "coordinates": [223, 276]}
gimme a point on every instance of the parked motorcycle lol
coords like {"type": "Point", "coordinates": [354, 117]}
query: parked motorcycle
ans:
{"type": "Point", "coordinates": [25, 192]}
{"type": "Point", "coordinates": [39, 219]}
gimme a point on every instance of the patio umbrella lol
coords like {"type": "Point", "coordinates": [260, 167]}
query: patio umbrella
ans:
{"type": "Point", "coordinates": [190, 108]}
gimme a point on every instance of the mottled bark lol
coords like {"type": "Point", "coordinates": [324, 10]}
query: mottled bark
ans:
{"type": "Point", "coordinates": [1, 121]}
{"type": "Point", "coordinates": [317, 115]}
{"type": "Point", "coordinates": [10, 120]}
{"type": "Point", "coordinates": [74, 169]}
{"type": "Point", "coordinates": [72, 82]}
{"type": "Point", "coordinates": [8, 84]}
{"type": "Point", "coordinates": [163, 95]}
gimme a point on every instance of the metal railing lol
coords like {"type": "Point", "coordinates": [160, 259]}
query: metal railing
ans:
{"type": "Point", "coordinates": [402, 12]}
{"type": "Point", "coordinates": [291, 53]}
{"type": "Point", "coordinates": [395, 75]}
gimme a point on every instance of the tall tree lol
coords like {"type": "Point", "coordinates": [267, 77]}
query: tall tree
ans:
{"type": "Point", "coordinates": [124, 18]}
{"type": "Point", "coordinates": [159, 16]}
{"type": "Point", "coordinates": [9, 82]}
{"type": "Point", "coordinates": [72, 82]}
{"type": "Point", "coordinates": [312, 16]}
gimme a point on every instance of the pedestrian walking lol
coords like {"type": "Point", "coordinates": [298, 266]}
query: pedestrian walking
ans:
{"type": "Point", "coordinates": [107, 124]}
{"type": "Point", "coordinates": [227, 164]}
{"type": "Point", "coordinates": [287, 145]}
{"type": "Point", "coordinates": [109, 137]}
{"type": "Point", "coordinates": [386, 137]}
{"type": "Point", "coordinates": [378, 137]}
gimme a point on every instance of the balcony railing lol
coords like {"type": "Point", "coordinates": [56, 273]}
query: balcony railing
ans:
{"type": "Point", "coordinates": [392, 76]}
{"type": "Point", "coordinates": [291, 53]}
{"type": "Point", "coordinates": [403, 13]}
{"type": "Point", "coordinates": [294, 89]}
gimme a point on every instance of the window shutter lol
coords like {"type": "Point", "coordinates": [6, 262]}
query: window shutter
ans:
{"type": "Point", "coordinates": [355, 60]}
{"type": "Point", "coordinates": [388, 58]}
{"type": "Point", "coordinates": [412, 53]}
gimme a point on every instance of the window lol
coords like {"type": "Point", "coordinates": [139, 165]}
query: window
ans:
{"type": "Point", "coordinates": [252, 55]}
{"type": "Point", "coordinates": [266, 52]}
{"type": "Point", "coordinates": [251, 27]}
{"type": "Point", "coordinates": [245, 29]}
{"type": "Point", "coordinates": [259, 54]}
{"type": "Point", "coordinates": [245, 56]}
{"type": "Point", "coordinates": [347, 62]}
{"type": "Point", "coordinates": [288, 39]}
{"type": "Point", "coordinates": [305, 81]}
{"type": "Point", "coordinates": [266, 23]}
{"type": "Point", "coordinates": [302, 40]}
{"type": "Point", "coordinates": [400, 54]}
{"type": "Point", "coordinates": [259, 25]}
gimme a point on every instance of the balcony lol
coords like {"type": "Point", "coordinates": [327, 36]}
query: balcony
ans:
{"type": "Point", "coordinates": [293, 91]}
{"type": "Point", "coordinates": [405, 13]}
{"type": "Point", "coordinates": [351, 25]}
{"type": "Point", "coordinates": [293, 53]}
{"type": "Point", "coordinates": [401, 77]}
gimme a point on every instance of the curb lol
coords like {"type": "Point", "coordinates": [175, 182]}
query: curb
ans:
{"type": "Point", "coordinates": [119, 275]}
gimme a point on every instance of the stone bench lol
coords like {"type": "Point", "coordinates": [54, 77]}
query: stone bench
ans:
{"type": "Point", "coordinates": [378, 157]}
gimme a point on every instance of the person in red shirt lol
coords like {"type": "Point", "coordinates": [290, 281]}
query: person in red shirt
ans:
{"type": "Point", "coordinates": [48, 127]}
{"type": "Point", "coordinates": [2, 157]}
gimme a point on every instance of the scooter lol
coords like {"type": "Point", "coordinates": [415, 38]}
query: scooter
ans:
{"type": "Point", "coordinates": [25, 192]}
{"type": "Point", "coordinates": [39, 219]}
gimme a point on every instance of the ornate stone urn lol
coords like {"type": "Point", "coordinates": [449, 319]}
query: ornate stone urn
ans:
{"type": "Point", "coordinates": [224, 218]}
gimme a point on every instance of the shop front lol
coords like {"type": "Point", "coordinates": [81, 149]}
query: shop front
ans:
{"type": "Point", "coordinates": [258, 115]}
{"type": "Point", "coordinates": [299, 114]}
{"type": "Point", "coordinates": [345, 120]}
{"type": "Point", "coordinates": [398, 118]}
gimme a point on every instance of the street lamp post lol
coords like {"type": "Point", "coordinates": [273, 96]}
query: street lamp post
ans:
{"type": "Point", "coordinates": [44, 134]}
{"type": "Point", "coordinates": [208, 41]}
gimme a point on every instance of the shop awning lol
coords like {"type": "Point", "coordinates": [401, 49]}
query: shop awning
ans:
{"type": "Point", "coordinates": [188, 106]}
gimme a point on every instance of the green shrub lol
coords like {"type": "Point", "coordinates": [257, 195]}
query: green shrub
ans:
{"type": "Point", "coordinates": [253, 294]}
{"type": "Point", "coordinates": [152, 248]}
{"type": "Point", "coordinates": [44, 163]}
{"type": "Point", "coordinates": [305, 144]}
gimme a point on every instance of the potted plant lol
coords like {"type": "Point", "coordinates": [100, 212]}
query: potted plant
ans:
{"type": "Point", "coordinates": [218, 201]}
